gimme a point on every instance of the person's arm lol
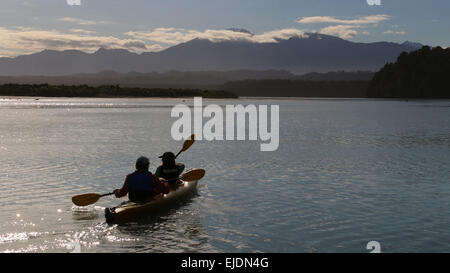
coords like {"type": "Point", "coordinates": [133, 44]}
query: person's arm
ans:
{"type": "Point", "coordinates": [124, 190]}
{"type": "Point", "coordinates": [160, 184]}
{"type": "Point", "coordinates": [180, 168]}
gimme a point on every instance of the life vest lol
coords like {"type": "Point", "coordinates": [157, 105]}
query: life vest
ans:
{"type": "Point", "coordinates": [170, 173]}
{"type": "Point", "coordinates": [140, 185]}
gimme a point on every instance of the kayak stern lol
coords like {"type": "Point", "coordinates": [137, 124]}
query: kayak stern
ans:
{"type": "Point", "coordinates": [129, 211]}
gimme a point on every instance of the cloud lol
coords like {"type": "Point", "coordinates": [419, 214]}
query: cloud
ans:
{"type": "Point", "coordinates": [6, 53]}
{"type": "Point", "coordinates": [81, 21]}
{"type": "Point", "coordinates": [345, 28]}
{"type": "Point", "coordinates": [275, 35]}
{"type": "Point", "coordinates": [82, 31]}
{"type": "Point", "coordinates": [390, 31]}
{"type": "Point", "coordinates": [342, 31]}
{"type": "Point", "coordinates": [173, 36]}
{"type": "Point", "coordinates": [372, 19]}
{"type": "Point", "coordinates": [26, 40]}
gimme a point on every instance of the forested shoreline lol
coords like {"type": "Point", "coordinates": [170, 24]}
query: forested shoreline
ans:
{"type": "Point", "coordinates": [423, 74]}
{"type": "Point", "coordinates": [46, 90]}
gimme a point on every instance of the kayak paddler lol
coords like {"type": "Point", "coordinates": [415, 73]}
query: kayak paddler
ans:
{"type": "Point", "coordinates": [169, 170]}
{"type": "Point", "coordinates": [142, 184]}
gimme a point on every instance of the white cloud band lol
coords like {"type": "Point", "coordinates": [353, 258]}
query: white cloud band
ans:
{"type": "Point", "coordinates": [27, 40]}
{"type": "Point", "coordinates": [342, 31]}
{"type": "Point", "coordinates": [372, 19]}
{"type": "Point", "coordinates": [173, 36]}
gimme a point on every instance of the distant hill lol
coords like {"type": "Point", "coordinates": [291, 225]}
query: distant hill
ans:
{"type": "Point", "coordinates": [298, 88]}
{"type": "Point", "coordinates": [171, 79]}
{"type": "Point", "coordinates": [298, 55]}
{"type": "Point", "coordinates": [420, 74]}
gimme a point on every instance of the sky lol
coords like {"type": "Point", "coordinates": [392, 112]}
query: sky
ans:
{"type": "Point", "coordinates": [29, 26]}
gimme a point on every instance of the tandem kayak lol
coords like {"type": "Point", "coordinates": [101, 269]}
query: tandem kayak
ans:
{"type": "Point", "coordinates": [131, 210]}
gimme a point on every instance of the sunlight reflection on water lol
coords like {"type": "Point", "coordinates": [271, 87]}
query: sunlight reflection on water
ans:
{"type": "Point", "coordinates": [347, 172]}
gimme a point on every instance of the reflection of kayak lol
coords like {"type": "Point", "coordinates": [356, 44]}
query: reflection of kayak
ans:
{"type": "Point", "coordinates": [132, 210]}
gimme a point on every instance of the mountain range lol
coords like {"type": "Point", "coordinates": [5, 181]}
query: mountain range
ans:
{"type": "Point", "coordinates": [311, 53]}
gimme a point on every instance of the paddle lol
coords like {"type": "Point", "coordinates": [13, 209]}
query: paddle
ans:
{"type": "Point", "coordinates": [187, 144]}
{"type": "Point", "coordinates": [91, 198]}
{"type": "Point", "coordinates": [193, 175]}
{"type": "Point", "coordinates": [88, 199]}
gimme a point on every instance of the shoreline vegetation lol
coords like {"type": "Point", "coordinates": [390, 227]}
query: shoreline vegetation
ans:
{"type": "Point", "coordinates": [106, 91]}
{"type": "Point", "coordinates": [421, 74]}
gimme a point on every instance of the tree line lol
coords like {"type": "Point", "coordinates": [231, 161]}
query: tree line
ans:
{"type": "Point", "coordinates": [423, 73]}
{"type": "Point", "coordinates": [46, 90]}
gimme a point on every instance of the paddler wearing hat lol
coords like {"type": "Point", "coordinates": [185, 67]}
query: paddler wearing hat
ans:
{"type": "Point", "coordinates": [169, 170]}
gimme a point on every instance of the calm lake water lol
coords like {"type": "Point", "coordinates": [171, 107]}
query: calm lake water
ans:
{"type": "Point", "coordinates": [346, 172]}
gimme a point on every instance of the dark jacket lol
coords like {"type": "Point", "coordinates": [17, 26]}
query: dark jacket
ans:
{"type": "Point", "coordinates": [170, 174]}
{"type": "Point", "coordinates": [142, 185]}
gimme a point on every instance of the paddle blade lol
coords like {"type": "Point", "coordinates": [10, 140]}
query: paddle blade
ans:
{"type": "Point", "coordinates": [85, 199]}
{"type": "Point", "coordinates": [188, 143]}
{"type": "Point", "coordinates": [193, 175]}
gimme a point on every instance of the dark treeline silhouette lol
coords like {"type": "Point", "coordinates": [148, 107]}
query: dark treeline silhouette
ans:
{"type": "Point", "coordinates": [420, 74]}
{"type": "Point", "coordinates": [45, 90]}
{"type": "Point", "coordinates": [298, 88]}
{"type": "Point", "coordinates": [205, 80]}
{"type": "Point", "coordinates": [270, 83]}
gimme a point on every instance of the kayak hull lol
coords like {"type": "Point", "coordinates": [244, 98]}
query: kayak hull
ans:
{"type": "Point", "coordinates": [129, 211]}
